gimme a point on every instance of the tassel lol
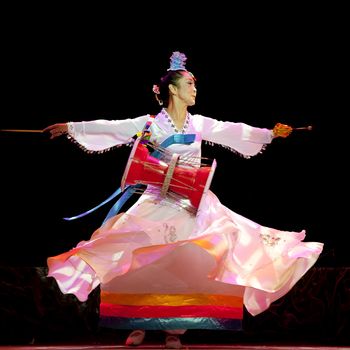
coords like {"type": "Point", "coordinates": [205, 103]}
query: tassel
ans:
{"type": "Point", "coordinates": [88, 151]}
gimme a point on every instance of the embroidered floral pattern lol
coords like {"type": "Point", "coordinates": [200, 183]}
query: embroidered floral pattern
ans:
{"type": "Point", "coordinates": [269, 239]}
{"type": "Point", "coordinates": [169, 233]}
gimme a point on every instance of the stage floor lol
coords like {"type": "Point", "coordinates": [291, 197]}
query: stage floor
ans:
{"type": "Point", "coordinates": [185, 347]}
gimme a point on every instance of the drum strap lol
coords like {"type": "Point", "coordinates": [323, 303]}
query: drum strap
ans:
{"type": "Point", "coordinates": [131, 189]}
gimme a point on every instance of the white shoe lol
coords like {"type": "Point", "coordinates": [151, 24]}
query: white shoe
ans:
{"type": "Point", "coordinates": [135, 337]}
{"type": "Point", "coordinates": [173, 342]}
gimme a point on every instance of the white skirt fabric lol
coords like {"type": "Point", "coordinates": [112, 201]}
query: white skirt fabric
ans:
{"type": "Point", "coordinates": [157, 246]}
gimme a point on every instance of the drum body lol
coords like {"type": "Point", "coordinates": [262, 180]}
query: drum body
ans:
{"type": "Point", "coordinates": [186, 180]}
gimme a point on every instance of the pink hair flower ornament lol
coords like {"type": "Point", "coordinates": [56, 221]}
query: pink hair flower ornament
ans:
{"type": "Point", "coordinates": [155, 89]}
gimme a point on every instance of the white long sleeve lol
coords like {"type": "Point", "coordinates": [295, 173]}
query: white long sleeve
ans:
{"type": "Point", "coordinates": [241, 137]}
{"type": "Point", "coordinates": [99, 135]}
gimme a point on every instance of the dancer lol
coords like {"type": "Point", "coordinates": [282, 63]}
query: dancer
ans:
{"type": "Point", "coordinates": [164, 263]}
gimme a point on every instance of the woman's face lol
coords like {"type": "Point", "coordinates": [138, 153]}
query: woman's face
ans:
{"type": "Point", "coordinates": [186, 89]}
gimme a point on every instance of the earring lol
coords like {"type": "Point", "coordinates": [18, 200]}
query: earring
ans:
{"type": "Point", "coordinates": [159, 100]}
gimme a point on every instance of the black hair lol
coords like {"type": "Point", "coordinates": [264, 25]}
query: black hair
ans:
{"type": "Point", "coordinates": [171, 77]}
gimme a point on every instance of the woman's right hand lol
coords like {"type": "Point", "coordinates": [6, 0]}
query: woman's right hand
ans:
{"type": "Point", "coordinates": [57, 130]}
{"type": "Point", "coordinates": [282, 130]}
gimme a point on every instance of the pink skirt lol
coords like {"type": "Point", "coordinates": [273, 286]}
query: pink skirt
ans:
{"type": "Point", "coordinates": [161, 267]}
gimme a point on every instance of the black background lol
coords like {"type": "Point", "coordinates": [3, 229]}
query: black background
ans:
{"type": "Point", "coordinates": [254, 66]}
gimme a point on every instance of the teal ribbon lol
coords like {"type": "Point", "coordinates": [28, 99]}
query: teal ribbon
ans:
{"type": "Point", "coordinates": [185, 139]}
{"type": "Point", "coordinates": [130, 190]}
{"type": "Point", "coordinates": [166, 323]}
{"type": "Point", "coordinates": [115, 194]}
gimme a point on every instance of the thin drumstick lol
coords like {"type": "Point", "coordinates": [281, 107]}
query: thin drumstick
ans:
{"type": "Point", "coordinates": [304, 128]}
{"type": "Point", "coordinates": [20, 130]}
